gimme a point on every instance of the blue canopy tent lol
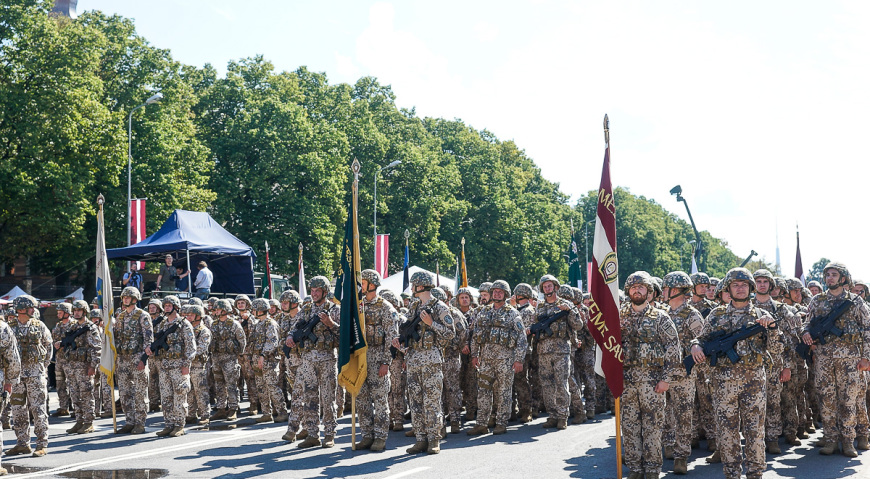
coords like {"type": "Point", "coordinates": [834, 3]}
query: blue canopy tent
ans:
{"type": "Point", "coordinates": [196, 237]}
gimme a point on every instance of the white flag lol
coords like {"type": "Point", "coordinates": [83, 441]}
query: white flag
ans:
{"type": "Point", "coordinates": [694, 265]}
{"type": "Point", "coordinates": [302, 290]}
{"type": "Point", "coordinates": [104, 298]}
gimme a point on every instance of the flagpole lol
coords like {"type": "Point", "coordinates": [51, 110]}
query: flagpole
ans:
{"type": "Point", "coordinates": [356, 167]}
{"type": "Point", "coordinates": [268, 271]}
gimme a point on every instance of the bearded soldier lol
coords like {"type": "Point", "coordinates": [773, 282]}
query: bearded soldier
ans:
{"type": "Point", "coordinates": [287, 323]}
{"type": "Point", "coordinates": [155, 310]}
{"type": "Point", "coordinates": [840, 360]}
{"type": "Point", "coordinates": [64, 313]}
{"type": "Point", "coordinates": [10, 367]}
{"type": "Point", "coordinates": [522, 380]}
{"type": "Point", "coordinates": [382, 326]}
{"type": "Point", "coordinates": [174, 359]}
{"type": "Point", "coordinates": [452, 364]}
{"type": "Point", "coordinates": [83, 359]}
{"type": "Point", "coordinates": [264, 361]}
{"type": "Point", "coordinates": [248, 321]}
{"type": "Point", "coordinates": [28, 396]}
{"type": "Point", "coordinates": [197, 399]}
{"type": "Point", "coordinates": [227, 343]}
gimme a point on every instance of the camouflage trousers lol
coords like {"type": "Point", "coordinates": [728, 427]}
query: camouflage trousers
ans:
{"type": "Point", "coordinates": [132, 388]}
{"type": "Point", "coordinates": [294, 388]}
{"type": "Point", "coordinates": [63, 394]}
{"type": "Point", "coordinates": [812, 393]}
{"type": "Point", "coordinates": [604, 399]}
{"type": "Point", "coordinates": [249, 378]}
{"type": "Point", "coordinates": [495, 379]}
{"type": "Point", "coordinates": [83, 385]}
{"type": "Point", "coordinates": [773, 416]}
{"type": "Point", "coordinates": [153, 381]}
{"type": "Point", "coordinates": [398, 387]}
{"type": "Point", "coordinates": [469, 384]}
{"type": "Point", "coordinates": [705, 406]}
{"type": "Point", "coordinates": [678, 416]}
{"type": "Point", "coordinates": [174, 387]}
{"type": "Point", "coordinates": [794, 403]}
{"type": "Point", "coordinates": [271, 398]}
{"type": "Point", "coordinates": [586, 365]}
{"type": "Point", "coordinates": [28, 398]}
{"type": "Point", "coordinates": [226, 381]}
{"type": "Point", "coordinates": [452, 367]}
{"type": "Point", "coordinates": [340, 398]}
{"type": "Point", "coordinates": [643, 418]}
{"type": "Point", "coordinates": [863, 426]}
{"type": "Point", "coordinates": [425, 382]}
{"type": "Point", "coordinates": [319, 385]}
{"type": "Point", "coordinates": [523, 385]}
{"type": "Point", "coordinates": [197, 398]}
{"type": "Point", "coordinates": [839, 385]}
{"type": "Point", "coordinates": [102, 393]}
{"type": "Point", "coordinates": [574, 389]}
{"type": "Point", "coordinates": [739, 394]}
{"type": "Point", "coordinates": [554, 370]}
{"type": "Point", "coordinates": [373, 405]}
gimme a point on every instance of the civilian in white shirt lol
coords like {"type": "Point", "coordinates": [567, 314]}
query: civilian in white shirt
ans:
{"type": "Point", "coordinates": [203, 282]}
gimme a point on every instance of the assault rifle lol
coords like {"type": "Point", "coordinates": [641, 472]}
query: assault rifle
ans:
{"type": "Point", "coordinates": [545, 322]}
{"type": "Point", "coordinates": [822, 326]}
{"type": "Point", "coordinates": [408, 331]}
{"type": "Point", "coordinates": [160, 342]}
{"type": "Point", "coordinates": [68, 343]}
{"type": "Point", "coordinates": [304, 332]}
{"type": "Point", "coordinates": [722, 343]}
{"type": "Point", "coordinates": [156, 321]}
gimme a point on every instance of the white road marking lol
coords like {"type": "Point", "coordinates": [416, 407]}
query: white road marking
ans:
{"type": "Point", "coordinates": [407, 473]}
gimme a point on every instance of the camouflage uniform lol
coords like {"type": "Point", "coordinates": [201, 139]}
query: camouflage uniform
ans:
{"type": "Point", "coordinates": [267, 345]}
{"type": "Point", "coordinates": [292, 361]}
{"type": "Point", "coordinates": [84, 356]}
{"type": "Point", "coordinates": [382, 326]}
{"type": "Point", "coordinates": [704, 408]}
{"type": "Point", "coordinates": [175, 385]}
{"type": "Point", "coordinates": [584, 359]}
{"type": "Point", "coordinates": [452, 365]}
{"type": "Point", "coordinates": [102, 393]}
{"type": "Point", "coordinates": [398, 381]}
{"type": "Point", "coordinates": [153, 366]}
{"type": "Point", "coordinates": [522, 380]}
{"type": "Point", "coordinates": [132, 332]}
{"type": "Point", "coordinates": [10, 363]}
{"type": "Point", "coordinates": [227, 343]}
{"type": "Point", "coordinates": [773, 415]}
{"type": "Point", "coordinates": [29, 395]}
{"type": "Point", "coordinates": [60, 375]}
{"type": "Point", "coordinates": [197, 399]}
{"type": "Point", "coordinates": [248, 322]}
{"type": "Point", "coordinates": [471, 374]}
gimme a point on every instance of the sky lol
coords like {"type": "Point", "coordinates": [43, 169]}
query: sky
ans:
{"type": "Point", "coordinates": [759, 110]}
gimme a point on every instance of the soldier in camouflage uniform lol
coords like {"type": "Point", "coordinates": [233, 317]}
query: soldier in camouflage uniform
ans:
{"type": "Point", "coordinates": [584, 357]}
{"type": "Point", "coordinates": [174, 361]}
{"type": "Point", "coordinates": [677, 287]}
{"type": "Point", "coordinates": [287, 317]}
{"type": "Point", "coordinates": [132, 331]}
{"type": "Point", "coordinates": [799, 392]}
{"type": "Point", "coordinates": [266, 348]}
{"type": "Point", "coordinates": [28, 396]}
{"type": "Point", "coordinates": [554, 350]}
{"type": "Point", "coordinates": [102, 394]}
{"type": "Point", "coordinates": [199, 408]}
{"type": "Point", "coordinates": [398, 379]}
{"type": "Point", "coordinates": [318, 372]}
{"type": "Point", "coordinates": [382, 326]}
{"type": "Point", "coordinates": [862, 430]}
{"type": "Point", "coordinates": [706, 424]}
{"type": "Point", "coordinates": [155, 310]}
{"type": "Point", "coordinates": [840, 360]}
{"type": "Point", "coordinates": [470, 382]}
{"type": "Point", "coordinates": [228, 340]}
{"type": "Point", "coordinates": [498, 349]}
{"type": "Point", "coordinates": [82, 361]}
{"type": "Point", "coordinates": [423, 363]}
{"type": "Point", "coordinates": [522, 380]}
{"type": "Point", "coordinates": [810, 414]}
{"type": "Point", "coordinates": [9, 317]}
{"type": "Point", "coordinates": [739, 388]}
{"type": "Point", "coordinates": [10, 367]}
{"type": "Point", "coordinates": [64, 312]}
{"type": "Point", "coordinates": [452, 365]}
{"type": "Point", "coordinates": [248, 321]}
{"type": "Point", "coordinates": [815, 287]}
{"type": "Point", "coordinates": [576, 408]}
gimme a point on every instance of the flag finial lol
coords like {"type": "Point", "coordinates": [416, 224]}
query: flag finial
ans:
{"type": "Point", "coordinates": [101, 199]}
{"type": "Point", "coordinates": [606, 130]}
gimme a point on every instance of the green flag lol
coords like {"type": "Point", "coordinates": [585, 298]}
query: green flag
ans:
{"type": "Point", "coordinates": [575, 276]}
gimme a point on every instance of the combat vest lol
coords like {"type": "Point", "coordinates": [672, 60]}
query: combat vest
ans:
{"type": "Point", "coordinates": [752, 350]}
{"type": "Point", "coordinates": [223, 339]}
{"type": "Point", "coordinates": [200, 359]}
{"type": "Point", "coordinates": [326, 339]}
{"type": "Point", "coordinates": [679, 320]}
{"type": "Point", "coordinates": [848, 323]}
{"type": "Point", "coordinates": [375, 333]}
{"type": "Point", "coordinates": [80, 353]}
{"type": "Point", "coordinates": [30, 344]}
{"type": "Point", "coordinates": [495, 328]}
{"type": "Point", "coordinates": [428, 335]}
{"type": "Point", "coordinates": [128, 335]}
{"type": "Point", "coordinates": [560, 328]}
{"type": "Point", "coordinates": [640, 341]}
{"type": "Point", "coordinates": [174, 341]}
{"type": "Point", "coordinates": [259, 335]}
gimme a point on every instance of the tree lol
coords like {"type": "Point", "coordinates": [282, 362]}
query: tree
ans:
{"type": "Point", "coordinates": [817, 272]}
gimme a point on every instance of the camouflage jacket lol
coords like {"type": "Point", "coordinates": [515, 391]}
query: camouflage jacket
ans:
{"type": "Point", "coordinates": [649, 340]}
{"type": "Point", "coordinates": [57, 334]}
{"type": "Point", "coordinates": [10, 362]}
{"type": "Point", "coordinates": [88, 346]}
{"type": "Point", "coordinates": [202, 336]}
{"type": "Point", "coordinates": [286, 325]}
{"type": "Point", "coordinates": [382, 326]}
{"type": "Point", "coordinates": [182, 344]}
{"type": "Point", "coordinates": [133, 331]}
{"type": "Point", "coordinates": [34, 347]}
{"type": "Point", "coordinates": [499, 334]}
{"type": "Point", "coordinates": [432, 338]}
{"type": "Point", "coordinates": [266, 339]}
{"type": "Point", "coordinates": [460, 324]}
{"type": "Point", "coordinates": [248, 324]}
{"type": "Point", "coordinates": [227, 337]}
{"type": "Point", "coordinates": [690, 325]}
{"type": "Point", "coordinates": [755, 352]}
{"type": "Point", "coordinates": [563, 330]}
{"type": "Point", "coordinates": [789, 332]}
{"type": "Point", "coordinates": [327, 338]}
{"type": "Point", "coordinates": [855, 324]}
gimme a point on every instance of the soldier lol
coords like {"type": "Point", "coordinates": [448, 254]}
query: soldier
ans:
{"type": "Point", "coordinates": [711, 291]}
{"type": "Point", "coordinates": [83, 359]}
{"type": "Point", "coordinates": [498, 349]}
{"type": "Point", "coordinates": [64, 312]}
{"type": "Point", "coordinates": [248, 321]}
{"type": "Point", "coordinates": [9, 317]}
{"type": "Point", "coordinates": [677, 287]}
{"type": "Point", "coordinates": [398, 380]}
{"type": "Point", "coordinates": [319, 362]}
{"type": "Point", "coordinates": [287, 317]}
{"type": "Point", "coordinates": [800, 392]}
{"type": "Point", "coordinates": [739, 388]}
{"type": "Point", "coordinates": [584, 358]}
{"type": "Point", "coordinates": [197, 399]}
{"type": "Point", "coordinates": [576, 408]}
{"type": "Point", "coordinates": [155, 310]}
{"type": "Point", "coordinates": [465, 305]}
{"type": "Point", "coordinates": [815, 287]}
{"type": "Point", "coordinates": [102, 392]}
{"type": "Point", "coordinates": [452, 365]}
{"type": "Point", "coordinates": [10, 367]}
{"type": "Point", "coordinates": [382, 326]}
{"type": "Point", "coordinates": [651, 357]}
{"type": "Point", "coordinates": [133, 331]}
{"type": "Point", "coordinates": [522, 380]}
{"type": "Point", "coordinates": [174, 360]}
{"type": "Point", "coordinates": [706, 425]}
{"type": "Point", "coordinates": [554, 350]}
{"type": "Point", "coordinates": [264, 361]}
{"type": "Point", "coordinates": [840, 360]}
{"type": "Point", "coordinates": [862, 430]}
{"type": "Point", "coordinates": [228, 341]}
{"type": "Point", "coordinates": [470, 383]}
{"type": "Point", "coordinates": [431, 320]}
{"type": "Point", "coordinates": [28, 396]}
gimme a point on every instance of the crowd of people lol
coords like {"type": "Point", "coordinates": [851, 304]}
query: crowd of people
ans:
{"type": "Point", "coordinates": [703, 360]}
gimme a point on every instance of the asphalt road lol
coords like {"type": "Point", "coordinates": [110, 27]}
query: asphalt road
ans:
{"type": "Point", "coordinates": [251, 450]}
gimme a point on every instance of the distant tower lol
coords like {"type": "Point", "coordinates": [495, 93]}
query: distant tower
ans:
{"type": "Point", "coordinates": [778, 265]}
{"type": "Point", "coordinates": [66, 8]}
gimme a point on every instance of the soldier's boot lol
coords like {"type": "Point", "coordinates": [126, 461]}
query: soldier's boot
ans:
{"type": "Point", "coordinates": [680, 466]}
{"type": "Point", "coordinates": [651, 475]}
{"type": "Point", "coordinates": [477, 430]}
{"type": "Point", "coordinates": [39, 452]}
{"type": "Point", "coordinates": [254, 409]}
{"type": "Point", "coordinates": [590, 414]}
{"type": "Point", "coordinates": [86, 428]}
{"type": "Point", "coordinates": [232, 415]}
{"type": "Point", "coordinates": [309, 441]}
{"type": "Point", "coordinates": [105, 414]}
{"type": "Point", "coordinates": [190, 420]}
{"type": "Point", "coordinates": [802, 433]}
{"type": "Point", "coordinates": [821, 443]}
{"type": "Point", "coordinates": [203, 422]}
{"type": "Point", "coordinates": [772, 447]}
{"type": "Point", "coordinates": [716, 458]}
{"type": "Point", "coordinates": [455, 427]}
{"type": "Point", "coordinates": [18, 449]}
{"type": "Point", "coordinates": [811, 429]}
{"type": "Point", "coordinates": [3, 471]}
{"type": "Point", "coordinates": [434, 447]}
{"type": "Point", "coordinates": [138, 429]}
{"type": "Point", "coordinates": [410, 433]}
{"type": "Point", "coordinates": [635, 475]}
{"type": "Point", "coordinates": [219, 414]}
{"type": "Point", "coordinates": [418, 447]}
{"type": "Point", "coordinates": [828, 449]}
{"type": "Point", "coordinates": [863, 443]}
{"type": "Point", "coordinates": [126, 429]}
{"type": "Point", "coordinates": [849, 449]}
{"type": "Point", "coordinates": [165, 431]}
{"type": "Point", "coordinates": [378, 445]}
{"type": "Point", "coordinates": [669, 452]}
{"type": "Point", "coordinates": [524, 416]}
{"type": "Point", "coordinates": [792, 440]}
{"type": "Point", "coordinates": [711, 445]}
{"type": "Point", "coordinates": [562, 424]}
{"type": "Point", "coordinates": [267, 417]}
{"type": "Point", "coordinates": [282, 418]}
{"type": "Point", "coordinates": [289, 436]}
{"type": "Point", "coordinates": [695, 443]}
{"type": "Point", "coordinates": [366, 443]}
{"type": "Point", "coordinates": [177, 431]}
{"type": "Point", "coordinates": [397, 426]}
{"type": "Point", "coordinates": [75, 428]}
{"type": "Point", "coordinates": [551, 422]}
{"type": "Point", "coordinates": [491, 422]}
{"type": "Point", "coordinates": [154, 407]}
{"type": "Point", "coordinates": [499, 429]}
{"type": "Point", "coordinates": [60, 412]}
{"type": "Point", "coordinates": [579, 418]}
{"type": "Point", "coordinates": [303, 434]}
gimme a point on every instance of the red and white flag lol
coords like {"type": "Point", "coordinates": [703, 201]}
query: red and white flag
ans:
{"type": "Point", "coordinates": [604, 311]}
{"type": "Point", "coordinates": [137, 224]}
{"type": "Point", "coordinates": [382, 254]}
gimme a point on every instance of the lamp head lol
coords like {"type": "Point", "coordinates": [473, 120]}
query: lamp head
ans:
{"type": "Point", "coordinates": [677, 190]}
{"type": "Point", "coordinates": [154, 98]}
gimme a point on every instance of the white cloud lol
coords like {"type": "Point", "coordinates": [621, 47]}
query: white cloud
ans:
{"type": "Point", "coordinates": [486, 32]}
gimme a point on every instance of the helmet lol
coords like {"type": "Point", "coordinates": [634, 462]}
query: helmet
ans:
{"type": "Point", "coordinates": [502, 285]}
{"type": "Point", "coordinates": [714, 281]}
{"type": "Point", "coordinates": [524, 290]}
{"type": "Point", "coordinates": [464, 290]}
{"type": "Point", "coordinates": [274, 302]}
{"type": "Point", "coordinates": [195, 309]}
{"type": "Point", "coordinates": [225, 305]}
{"type": "Point", "coordinates": [65, 307]}
{"type": "Point", "coordinates": [173, 300]}
{"type": "Point", "coordinates": [841, 268]}
{"type": "Point", "coordinates": [95, 313]}
{"type": "Point", "coordinates": [195, 300]}
{"type": "Point", "coordinates": [185, 308]}
{"type": "Point", "coordinates": [484, 287]}
{"type": "Point", "coordinates": [212, 302]}
{"type": "Point", "coordinates": [657, 285]}
{"type": "Point", "coordinates": [551, 278]}
{"type": "Point", "coordinates": [96, 300]}
{"type": "Point", "coordinates": [390, 296]}
{"type": "Point", "coordinates": [806, 293]}
{"type": "Point", "coordinates": [321, 282]}
{"type": "Point", "coordinates": [738, 274]}
{"type": "Point", "coordinates": [678, 279]}
{"type": "Point", "coordinates": [260, 304]}
{"type": "Point", "coordinates": [371, 276]}
{"type": "Point", "coordinates": [155, 302]}
{"type": "Point", "coordinates": [24, 301]}
{"type": "Point", "coordinates": [131, 291]}
{"type": "Point", "coordinates": [719, 290]}
{"type": "Point", "coordinates": [438, 294]}
{"type": "Point", "coordinates": [10, 312]}
{"type": "Point", "coordinates": [291, 296]}
{"type": "Point", "coordinates": [793, 283]}
{"type": "Point", "coordinates": [639, 277]}
{"type": "Point", "coordinates": [245, 298]}
{"type": "Point", "coordinates": [80, 304]}
{"type": "Point", "coordinates": [446, 290]}
{"type": "Point", "coordinates": [700, 278]}
{"type": "Point", "coordinates": [814, 283]}
{"type": "Point", "coordinates": [578, 294]}
{"type": "Point", "coordinates": [864, 284]}
{"type": "Point", "coordinates": [565, 292]}
{"type": "Point", "coordinates": [781, 284]}
{"type": "Point", "coordinates": [423, 278]}
{"type": "Point", "coordinates": [763, 273]}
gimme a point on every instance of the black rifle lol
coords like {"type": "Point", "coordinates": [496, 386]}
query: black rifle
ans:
{"type": "Point", "coordinates": [160, 342]}
{"type": "Point", "coordinates": [822, 326]}
{"type": "Point", "coordinates": [156, 321]}
{"type": "Point", "coordinates": [68, 343]}
{"type": "Point", "coordinates": [722, 343]}
{"type": "Point", "coordinates": [409, 331]}
{"type": "Point", "coordinates": [545, 322]}
{"type": "Point", "coordinates": [304, 332]}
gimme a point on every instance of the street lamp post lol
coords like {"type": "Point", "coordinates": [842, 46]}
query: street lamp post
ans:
{"type": "Point", "coordinates": [151, 100]}
{"type": "Point", "coordinates": [678, 191]}
{"type": "Point", "coordinates": [690, 243]}
{"type": "Point", "coordinates": [375, 222]}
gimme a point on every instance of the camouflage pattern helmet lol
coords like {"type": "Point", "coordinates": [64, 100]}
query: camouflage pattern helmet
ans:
{"type": "Point", "coordinates": [173, 300]}
{"type": "Point", "coordinates": [260, 304]}
{"type": "Point", "coordinates": [80, 304]}
{"type": "Point", "coordinates": [657, 285]}
{"type": "Point", "coordinates": [390, 296]}
{"type": "Point", "coordinates": [24, 301]}
{"type": "Point", "coordinates": [565, 292]}
{"type": "Point", "coordinates": [195, 309]}
{"type": "Point", "coordinates": [484, 287]}
{"type": "Point", "coordinates": [155, 302]}
{"type": "Point", "coordinates": [781, 284]}
{"type": "Point", "coordinates": [465, 290]}
{"type": "Point", "coordinates": [678, 280]}
{"type": "Point", "coordinates": [502, 285]}
{"type": "Point", "coordinates": [65, 307]}
{"type": "Point", "coordinates": [245, 298]}
{"type": "Point", "coordinates": [291, 296]}
{"type": "Point", "coordinates": [212, 301]}
{"type": "Point", "coordinates": [578, 294]}
{"type": "Point", "coordinates": [11, 312]}
{"type": "Point", "coordinates": [806, 293]}
{"type": "Point", "coordinates": [841, 268]}
{"type": "Point", "coordinates": [372, 276]}
{"type": "Point", "coordinates": [763, 273]}
{"type": "Point", "coordinates": [274, 302]}
{"type": "Point", "coordinates": [131, 291]}
{"type": "Point", "coordinates": [224, 304]}
{"type": "Point", "coordinates": [738, 274]}
{"type": "Point", "coordinates": [700, 278]}
{"type": "Point", "coordinates": [792, 284]}
{"type": "Point", "coordinates": [423, 278]}
{"type": "Point", "coordinates": [714, 281]}
{"type": "Point", "coordinates": [95, 313]}
{"type": "Point", "coordinates": [719, 290]}
{"type": "Point", "coordinates": [185, 309]}
{"type": "Point", "coordinates": [96, 300]}
{"type": "Point", "coordinates": [438, 294]}
{"type": "Point", "coordinates": [550, 278]}
{"type": "Point", "coordinates": [814, 283]}
{"type": "Point", "coordinates": [524, 290]}
{"type": "Point", "coordinates": [321, 282]}
{"type": "Point", "coordinates": [639, 277]}
{"type": "Point", "coordinates": [195, 301]}
{"type": "Point", "coordinates": [859, 282]}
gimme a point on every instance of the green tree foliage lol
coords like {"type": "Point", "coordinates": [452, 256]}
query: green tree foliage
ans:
{"type": "Point", "coordinates": [817, 272]}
